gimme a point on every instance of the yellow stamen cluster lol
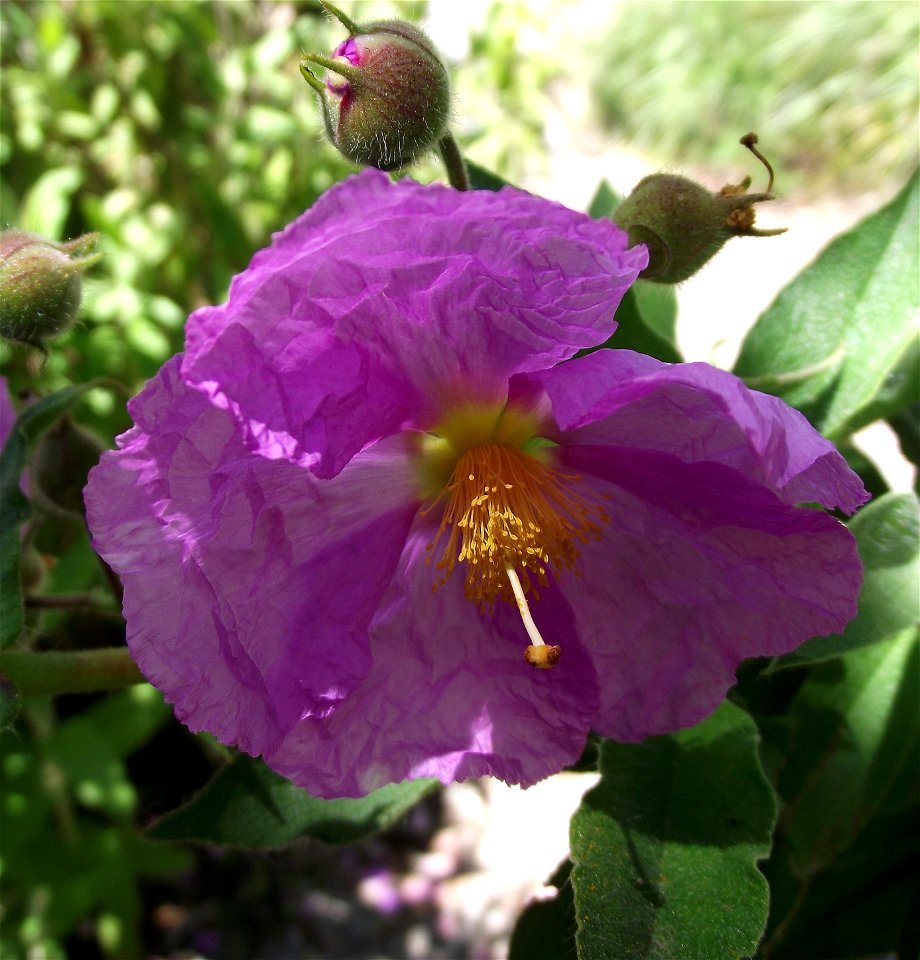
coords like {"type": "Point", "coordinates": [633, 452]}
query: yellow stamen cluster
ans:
{"type": "Point", "coordinates": [508, 509]}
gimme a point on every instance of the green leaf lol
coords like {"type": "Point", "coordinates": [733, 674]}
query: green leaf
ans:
{"type": "Point", "coordinates": [862, 905]}
{"type": "Point", "coordinates": [854, 727]}
{"type": "Point", "coordinates": [14, 508]}
{"type": "Point", "coordinates": [647, 315]}
{"type": "Point", "coordinates": [10, 703]}
{"type": "Point", "coordinates": [906, 424]}
{"type": "Point", "coordinates": [666, 846]}
{"type": "Point", "coordinates": [89, 748]}
{"type": "Point", "coordinates": [47, 203]}
{"type": "Point", "coordinates": [62, 867]}
{"type": "Point", "coordinates": [832, 339]}
{"type": "Point", "coordinates": [96, 870]}
{"type": "Point", "coordinates": [604, 202]}
{"type": "Point", "coordinates": [898, 391]}
{"type": "Point", "coordinates": [546, 928]}
{"type": "Point", "coordinates": [482, 179]}
{"type": "Point", "coordinates": [644, 307]}
{"type": "Point", "coordinates": [248, 805]}
{"type": "Point", "coordinates": [847, 849]}
{"type": "Point", "coordinates": [887, 531]}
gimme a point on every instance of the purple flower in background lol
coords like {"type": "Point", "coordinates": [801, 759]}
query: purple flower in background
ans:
{"type": "Point", "coordinates": [371, 484]}
{"type": "Point", "coordinates": [7, 412]}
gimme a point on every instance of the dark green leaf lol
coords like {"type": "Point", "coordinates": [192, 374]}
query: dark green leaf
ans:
{"type": "Point", "coordinates": [854, 726]}
{"type": "Point", "coordinates": [248, 805]}
{"type": "Point", "coordinates": [906, 424]}
{"type": "Point", "coordinates": [96, 871]}
{"type": "Point", "coordinates": [888, 533]}
{"type": "Point", "coordinates": [873, 480]}
{"type": "Point", "coordinates": [666, 846]}
{"type": "Point", "coordinates": [482, 179]}
{"type": "Point", "coordinates": [638, 314]}
{"type": "Point", "coordinates": [89, 748]}
{"type": "Point", "coordinates": [89, 866]}
{"type": "Point", "coordinates": [846, 749]}
{"type": "Point", "coordinates": [604, 201]}
{"type": "Point", "coordinates": [10, 702]}
{"type": "Point", "coordinates": [14, 508]}
{"type": "Point", "coordinates": [546, 928]}
{"type": "Point", "coordinates": [832, 339]}
{"type": "Point", "coordinates": [863, 904]}
{"type": "Point", "coordinates": [657, 304]}
{"type": "Point", "coordinates": [897, 392]}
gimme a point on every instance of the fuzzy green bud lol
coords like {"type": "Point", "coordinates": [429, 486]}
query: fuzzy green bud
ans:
{"type": "Point", "coordinates": [387, 97]}
{"type": "Point", "coordinates": [32, 569]}
{"type": "Point", "coordinates": [684, 225]}
{"type": "Point", "coordinates": [57, 473]}
{"type": "Point", "coordinates": [40, 284]}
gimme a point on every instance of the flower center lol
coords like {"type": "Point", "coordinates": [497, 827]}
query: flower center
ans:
{"type": "Point", "coordinates": [508, 517]}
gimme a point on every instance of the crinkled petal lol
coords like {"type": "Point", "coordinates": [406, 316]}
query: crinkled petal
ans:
{"type": "Point", "coordinates": [699, 413]}
{"type": "Point", "coordinates": [449, 694]}
{"type": "Point", "coordinates": [248, 583]}
{"type": "Point", "coordinates": [697, 569]}
{"type": "Point", "coordinates": [385, 301]}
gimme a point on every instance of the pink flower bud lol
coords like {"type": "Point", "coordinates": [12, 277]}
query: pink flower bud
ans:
{"type": "Point", "coordinates": [386, 99]}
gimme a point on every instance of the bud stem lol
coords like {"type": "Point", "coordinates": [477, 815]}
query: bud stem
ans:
{"type": "Point", "coordinates": [348, 24]}
{"type": "Point", "coordinates": [336, 65]}
{"type": "Point", "coordinates": [320, 88]}
{"type": "Point", "coordinates": [65, 601]}
{"type": "Point", "coordinates": [454, 162]}
{"type": "Point", "coordinates": [81, 671]}
{"type": "Point", "coordinates": [314, 82]}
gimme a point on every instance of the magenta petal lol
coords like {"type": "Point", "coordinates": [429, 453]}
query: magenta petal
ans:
{"type": "Point", "coordinates": [349, 50]}
{"type": "Point", "coordinates": [7, 412]}
{"type": "Point", "coordinates": [449, 695]}
{"type": "Point", "coordinates": [385, 300]}
{"type": "Point", "coordinates": [698, 569]}
{"type": "Point", "coordinates": [699, 413]}
{"type": "Point", "coordinates": [264, 513]}
{"type": "Point", "coordinates": [241, 593]}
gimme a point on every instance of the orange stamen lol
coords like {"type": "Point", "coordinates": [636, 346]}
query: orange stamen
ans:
{"type": "Point", "coordinates": [507, 509]}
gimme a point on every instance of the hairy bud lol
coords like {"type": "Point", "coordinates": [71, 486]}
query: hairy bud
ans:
{"type": "Point", "coordinates": [684, 225]}
{"type": "Point", "coordinates": [386, 99]}
{"type": "Point", "coordinates": [40, 284]}
{"type": "Point", "coordinates": [63, 457]}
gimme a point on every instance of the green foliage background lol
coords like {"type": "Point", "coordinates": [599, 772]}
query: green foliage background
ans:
{"type": "Point", "coordinates": [833, 86]}
{"type": "Point", "coordinates": [183, 133]}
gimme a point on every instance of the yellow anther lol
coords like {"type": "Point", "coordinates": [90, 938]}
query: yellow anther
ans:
{"type": "Point", "coordinates": [520, 514]}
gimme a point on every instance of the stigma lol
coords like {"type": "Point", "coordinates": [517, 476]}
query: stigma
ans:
{"type": "Point", "coordinates": [539, 653]}
{"type": "Point", "coordinates": [510, 516]}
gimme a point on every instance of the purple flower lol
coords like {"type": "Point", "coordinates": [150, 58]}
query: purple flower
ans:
{"type": "Point", "coordinates": [371, 483]}
{"type": "Point", "coordinates": [7, 412]}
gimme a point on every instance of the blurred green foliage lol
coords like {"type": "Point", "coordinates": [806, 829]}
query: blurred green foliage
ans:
{"type": "Point", "coordinates": [831, 88]}
{"type": "Point", "coordinates": [183, 133]}
{"type": "Point", "coordinates": [502, 84]}
{"type": "Point", "coordinates": [70, 850]}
